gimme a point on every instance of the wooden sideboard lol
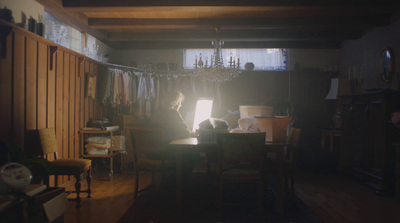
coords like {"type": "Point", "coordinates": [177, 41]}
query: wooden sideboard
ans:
{"type": "Point", "coordinates": [367, 151]}
{"type": "Point", "coordinates": [125, 121]}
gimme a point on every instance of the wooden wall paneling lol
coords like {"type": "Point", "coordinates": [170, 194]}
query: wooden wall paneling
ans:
{"type": "Point", "coordinates": [31, 84]}
{"type": "Point", "coordinates": [59, 68]}
{"type": "Point", "coordinates": [42, 86]}
{"type": "Point", "coordinates": [71, 122]}
{"type": "Point", "coordinates": [77, 106]}
{"type": "Point", "coordinates": [6, 92]}
{"type": "Point", "coordinates": [19, 89]}
{"type": "Point", "coordinates": [91, 101]}
{"type": "Point", "coordinates": [65, 148]}
{"type": "Point", "coordinates": [98, 110]}
{"type": "Point", "coordinates": [51, 98]}
{"type": "Point", "coordinates": [87, 70]}
{"type": "Point", "coordinates": [51, 92]}
{"type": "Point", "coordinates": [65, 105]}
{"type": "Point", "coordinates": [82, 95]}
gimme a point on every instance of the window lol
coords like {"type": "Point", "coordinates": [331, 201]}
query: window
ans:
{"type": "Point", "coordinates": [263, 59]}
{"type": "Point", "coordinates": [61, 33]}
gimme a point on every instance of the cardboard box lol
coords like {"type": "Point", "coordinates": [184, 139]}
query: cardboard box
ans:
{"type": "Point", "coordinates": [56, 207]}
{"type": "Point", "coordinates": [51, 203]}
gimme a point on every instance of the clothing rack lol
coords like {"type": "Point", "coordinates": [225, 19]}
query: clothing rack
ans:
{"type": "Point", "coordinates": [137, 69]}
{"type": "Point", "coordinates": [110, 65]}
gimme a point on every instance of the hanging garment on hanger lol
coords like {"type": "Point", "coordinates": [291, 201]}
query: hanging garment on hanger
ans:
{"type": "Point", "coordinates": [102, 85]}
{"type": "Point", "coordinates": [126, 79]}
{"type": "Point", "coordinates": [129, 89]}
{"type": "Point", "coordinates": [152, 87]}
{"type": "Point", "coordinates": [135, 78]}
{"type": "Point", "coordinates": [157, 93]}
{"type": "Point", "coordinates": [111, 98]}
{"type": "Point", "coordinates": [117, 88]}
{"type": "Point", "coordinates": [107, 92]}
{"type": "Point", "coordinates": [142, 88]}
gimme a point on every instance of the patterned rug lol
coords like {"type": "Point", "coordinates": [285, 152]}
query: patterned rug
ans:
{"type": "Point", "coordinates": [199, 199]}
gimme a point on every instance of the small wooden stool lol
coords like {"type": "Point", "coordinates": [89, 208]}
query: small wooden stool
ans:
{"type": "Point", "coordinates": [331, 134]}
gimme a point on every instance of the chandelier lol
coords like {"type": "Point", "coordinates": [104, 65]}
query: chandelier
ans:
{"type": "Point", "coordinates": [216, 72]}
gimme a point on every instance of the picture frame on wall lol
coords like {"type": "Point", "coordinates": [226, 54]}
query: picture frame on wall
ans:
{"type": "Point", "coordinates": [90, 85]}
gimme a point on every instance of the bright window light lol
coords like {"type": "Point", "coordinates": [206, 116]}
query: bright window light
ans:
{"type": "Point", "coordinates": [202, 112]}
{"type": "Point", "coordinates": [263, 59]}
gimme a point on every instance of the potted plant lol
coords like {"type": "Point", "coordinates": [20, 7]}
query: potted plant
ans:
{"type": "Point", "coordinates": [39, 167]}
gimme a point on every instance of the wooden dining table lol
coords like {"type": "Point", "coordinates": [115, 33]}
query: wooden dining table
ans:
{"type": "Point", "coordinates": [181, 146]}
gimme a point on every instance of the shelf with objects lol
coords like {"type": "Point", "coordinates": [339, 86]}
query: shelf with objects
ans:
{"type": "Point", "coordinates": [103, 143]}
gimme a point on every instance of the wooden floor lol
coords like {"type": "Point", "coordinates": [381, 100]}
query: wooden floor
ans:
{"type": "Point", "coordinates": [333, 198]}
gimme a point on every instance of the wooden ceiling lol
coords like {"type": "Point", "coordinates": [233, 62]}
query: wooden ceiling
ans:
{"type": "Point", "coordinates": [171, 24]}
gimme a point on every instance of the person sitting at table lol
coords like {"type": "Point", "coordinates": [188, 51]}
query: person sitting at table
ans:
{"type": "Point", "coordinates": [169, 118]}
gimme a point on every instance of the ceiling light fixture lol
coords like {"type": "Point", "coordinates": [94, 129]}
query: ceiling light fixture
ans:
{"type": "Point", "coordinates": [217, 72]}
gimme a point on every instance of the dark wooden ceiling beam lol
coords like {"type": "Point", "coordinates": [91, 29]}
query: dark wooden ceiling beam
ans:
{"type": "Point", "coordinates": [271, 23]}
{"type": "Point", "coordinates": [85, 4]}
{"type": "Point", "coordinates": [249, 35]}
{"type": "Point", "coordinates": [148, 45]}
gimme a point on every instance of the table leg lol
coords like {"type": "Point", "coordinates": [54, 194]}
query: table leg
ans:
{"type": "Point", "coordinates": [331, 142]}
{"type": "Point", "coordinates": [179, 180]}
{"type": "Point", "coordinates": [279, 184]}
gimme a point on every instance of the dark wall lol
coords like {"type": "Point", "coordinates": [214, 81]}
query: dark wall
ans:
{"type": "Point", "coordinates": [365, 53]}
{"type": "Point", "coordinates": [304, 91]}
{"type": "Point", "coordinates": [255, 88]}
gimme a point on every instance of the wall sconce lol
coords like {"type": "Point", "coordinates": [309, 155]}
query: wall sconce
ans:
{"type": "Point", "coordinates": [202, 112]}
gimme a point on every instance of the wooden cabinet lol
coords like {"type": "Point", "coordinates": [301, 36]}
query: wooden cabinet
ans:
{"type": "Point", "coordinates": [367, 153]}
{"type": "Point", "coordinates": [125, 121]}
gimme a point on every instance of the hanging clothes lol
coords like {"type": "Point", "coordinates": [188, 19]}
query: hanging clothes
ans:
{"type": "Point", "coordinates": [125, 79]}
{"type": "Point", "coordinates": [142, 88]}
{"type": "Point", "coordinates": [134, 87]}
{"type": "Point", "coordinates": [107, 92]}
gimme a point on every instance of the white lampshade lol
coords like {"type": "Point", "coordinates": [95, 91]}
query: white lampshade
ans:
{"type": "Point", "coordinates": [202, 112]}
{"type": "Point", "coordinates": [339, 86]}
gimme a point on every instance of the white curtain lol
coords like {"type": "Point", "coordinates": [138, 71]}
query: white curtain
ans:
{"type": "Point", "coordinates": [263, 59]}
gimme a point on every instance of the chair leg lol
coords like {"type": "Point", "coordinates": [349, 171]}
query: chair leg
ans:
{"type": "Point", "coordinates": [292, 176]}
{"type": "Point", "coordinates": [89, 180]}
{"type": "Point", "coordinates": [220, 198]}
{"type": "Point", "coordinates": [78, 190]}
{"type": "Point", "coordinates": [55, 180]}
{"type": "Point", "coordinates": [136, 183]}
{"type": "Point", "coordinates": [286, 182]}
{"type": "Point", "coordinates": [46, 180]}
{"type": "Point", "coordinates": [260, 196]}
{"type": "Point", "coordinates": [153, 177]}
{"type": "Point", "coordinates": [207, 164]}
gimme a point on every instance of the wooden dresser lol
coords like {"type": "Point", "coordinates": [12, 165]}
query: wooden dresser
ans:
{"type": "Point", "coordinates": [367, 151]}
{"type": "Point", "coordinates": [125, 121]}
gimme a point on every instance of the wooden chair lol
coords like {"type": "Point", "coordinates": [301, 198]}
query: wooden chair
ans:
{"type": "Point", "coordinates": [45, 144]}
{"type": "Point", "coordinates": [149, 150]}
{"type": "Point", "coordinates": [241, 159]}
{"type": "Point", "coordinates": [291, 160]}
